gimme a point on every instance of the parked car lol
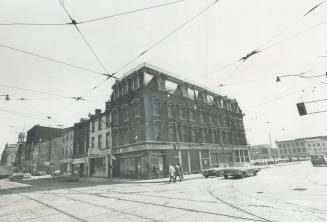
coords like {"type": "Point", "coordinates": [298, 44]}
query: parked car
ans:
{"type": "Point", "coordinates": [67, 177]}
{"type": "Point", "coordinates": [215, 171]}
{"type": "Point", "coordinates": [19, 176]}
{"type": "Point", "coordinates": [241, 170]}
{"type": "Point", "coordinates": [319, 159]}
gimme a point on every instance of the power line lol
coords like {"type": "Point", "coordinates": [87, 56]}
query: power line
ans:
{"type": "Point", "coordinates": [74, 22]}
{"type": "Point", "coordinates": [129, 12]}
{"type": "Point", "coordinates": [91, 20]}
{"type": "Point", "coordinates": [168, 35]}
{"type": "Point", "coordinates": [52, 59]}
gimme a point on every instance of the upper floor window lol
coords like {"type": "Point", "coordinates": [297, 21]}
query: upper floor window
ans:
{"type": "Point", "coordinates": [107, 120]}
{"type": "Point", "coordinates": [201, 116]}
{"type": "Point", "coordinates": [192, 114]}
{"type": "Point", "coordinates": [182, 112]}
{"type": "Point", "coordinates": [125, 87]}
{"type": "Point", "coordinates": [100, 142]}
{"type": "Point", "coordinates": [93, 126]}
{"type": "Point", "coordinates": [136, 82]}
{"type": "Point", "coordinates": [107, 140]}
{"type": "Point", "coordinates": [171, 133]}
{"type": "Point", "coordinates": [161, 83]}
{"type": "Point", "coordinates": [125, 113]}
{"type": "Point", "coordinates": [183, 134]}
{"type": "Point", "coordinates": [100, 123]}
{"type": "Point", "coordinates": [170, 110]}
{"type": "Point", "coordinates": [137, 109]}
{"type": "Point", "coordinates": [156, 107]}
{"type": "Point", "coordinates": [115, 116]}
{"type": "Point", "coordinates": [92, 142]}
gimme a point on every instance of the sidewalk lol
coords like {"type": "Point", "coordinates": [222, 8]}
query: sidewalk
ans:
{"type": "Point", "coordinates": [5, 185]}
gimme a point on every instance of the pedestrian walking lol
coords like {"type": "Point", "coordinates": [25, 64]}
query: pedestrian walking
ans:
{"type": "Point", "coordinates": [171, 170]}
{"type": "Point", "coordinates": [177, 172]}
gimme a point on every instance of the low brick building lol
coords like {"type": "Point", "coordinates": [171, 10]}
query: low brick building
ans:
{"type": "Point", "coordinates": [158, 119]}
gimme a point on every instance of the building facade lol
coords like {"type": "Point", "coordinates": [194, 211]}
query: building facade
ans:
{"type": "Point", "coordinates": [302, 147]}
{"type": "Point", "coordinates": [8, 156]}
{"type": "Point", "coordinates": [66, 150]}
{"type": "Point", "coordinates": [100, 144]}
{"type": "Point", "coordinates": [37, 139]}
{"type": "Point", "coordinates": [158, 119]}
{"type": "Point", "coordinates": [80, 147]}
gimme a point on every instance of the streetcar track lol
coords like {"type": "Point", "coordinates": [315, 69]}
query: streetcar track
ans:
{"type": "Point", "coordinates": [235, 207]}
{"type": "Point", "coordinates": [54, 208]}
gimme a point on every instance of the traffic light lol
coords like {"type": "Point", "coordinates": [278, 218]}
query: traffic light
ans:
{"type": "Point", "coordinates": [301, 108]}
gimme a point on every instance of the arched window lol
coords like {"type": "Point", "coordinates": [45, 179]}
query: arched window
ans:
{"type": "Point", "coordinates": [182, 112]}
{"type": "Point", "coordinates": [156, 107]}
{"type": "Point", "coordinates": [170, 110]}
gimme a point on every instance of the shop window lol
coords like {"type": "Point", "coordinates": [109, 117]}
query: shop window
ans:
{"type": "Point", "coordinates": [156, 107]}
{"type": "Point", "coordinates": [170, 110]}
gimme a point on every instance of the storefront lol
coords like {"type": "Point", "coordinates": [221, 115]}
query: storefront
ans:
{"type": "Point", "coordinates": [98, 167]}
{"type": "Point", "coordinates": [66, 166]}
{"type": "Point", "coordinates": [80, 167]}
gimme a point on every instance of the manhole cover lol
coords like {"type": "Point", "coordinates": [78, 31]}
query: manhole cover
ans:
{"type": "Point", "coordinates": [300, 189]}
{"type": "Point", "coordinates": [259, 192]}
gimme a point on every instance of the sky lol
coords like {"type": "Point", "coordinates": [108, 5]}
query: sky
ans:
{"type": "Point", "coordinates": [207, 51]}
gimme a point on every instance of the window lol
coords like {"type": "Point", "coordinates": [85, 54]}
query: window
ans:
{"type": "Point", "coordinates": [92, 142]}
{"type": "Point", "coordinates": [125, 87]}
{"type": "Point", "coordinates": [171, 133]}
{"type": "Point", "coordinates": [156, 107]}
{"type": "Point", "coordinates": [125, 136]}
{"type": "Point", "coordinates": [136, 82]}
{"type": "Point", "coordinates": [100, 142]}
{"type": "Point", "coordinates": [211, 117]}
{"type": "Point", "coordinates": [192, 114]}
{"type": "Point", "coordinates": [157, 136]}
{"type": "Point", "coordinates": [193, 135]}
{"type": "Point", "coordinates": [107, 140]}
{"type": "Point", "coordinates": [183, 134]}
{"type": "Point", "coordinates": [125, 113]}
{"type": "Point", "coordinates": [115, 138]}
{"type": "Point", "coordinates": [182, 112]}
{"type": "Point", "coordinates": [170, 110]}
{"type": "Point", "coordinates": [93, 126]}
{"type": "Point", "coordinates": [161, 83]}
{"type": "Point", "coordinates": [107, 120]}
{"type": "Point", "coordinates": [100, 123]}
{"type": "Point", "coordinates": [137, 109]}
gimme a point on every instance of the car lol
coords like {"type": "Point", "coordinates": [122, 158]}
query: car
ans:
{"type": "Point", "coordinates": [319, 159]}
{"type": "Point", "coordinates": [215, 171]}
{"type": "Point", "coordinates": [240, 170]}
{"type": "Point", "coordinates": [67, 177]}
{"type": "Point", "coordinates": [19, 176]}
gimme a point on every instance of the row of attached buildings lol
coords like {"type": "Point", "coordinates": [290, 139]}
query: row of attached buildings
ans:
{"type": "Point", "coordinates": [151, 120]}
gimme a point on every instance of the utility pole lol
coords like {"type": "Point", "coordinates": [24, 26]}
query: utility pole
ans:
{"type": "Point", "coordinates": [179, 151]}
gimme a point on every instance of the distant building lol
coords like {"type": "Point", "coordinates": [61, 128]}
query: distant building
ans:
{"type": "Point", "coordinates": [8, 156]}
{"type": "Point", "coordinates": [302, 147]}
{"type": "Point", "coordinates": [158, 119]}
{"type": "Point", "coordinates": [263, 153]}
{"type": "Point", "coordinates": [100, 144]}
{"type": "Point", "coordinates": [37, 149]}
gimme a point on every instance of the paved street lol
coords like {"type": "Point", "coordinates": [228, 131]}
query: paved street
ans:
{"type": "Point", "coordinates": [296, 192]}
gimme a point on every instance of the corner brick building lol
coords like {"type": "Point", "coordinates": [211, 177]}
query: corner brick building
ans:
{"type": "Point", "coordinates": [158, 119]}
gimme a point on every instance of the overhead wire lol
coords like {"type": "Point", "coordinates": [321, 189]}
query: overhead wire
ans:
{"type": "Point", "coordinates": [91, 20]}
{"type": "Point", "coordinates": [261, 48]}
{"type": "Point", "coordinates": [52, 59]}
{"type": "Point", "coordinates": [74, 22]}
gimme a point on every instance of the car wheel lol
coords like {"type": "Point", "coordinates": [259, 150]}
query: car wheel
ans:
{"type": "Point", "coordinates": [243, 175]}
{"type": "Point", "coordinates": [225, 176]}
{"type": "Point", "coordinates": [206, 176]}
{"type": "Point", "coordinates": [255, 173]}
